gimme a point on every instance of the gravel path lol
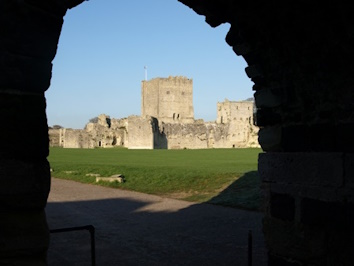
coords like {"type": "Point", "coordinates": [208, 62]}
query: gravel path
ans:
{"type": "Point", "coordinates": [138, 229]}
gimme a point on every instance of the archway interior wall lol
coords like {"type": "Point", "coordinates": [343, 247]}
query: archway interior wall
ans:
{"type": "Point", "coordinates": [300, 60]}
{"type": "Point", "coordinates": [29, 38]}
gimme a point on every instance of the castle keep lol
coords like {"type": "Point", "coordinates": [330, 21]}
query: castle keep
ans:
{"type": "Point", "coordinates": [166, 122]}
{"type": "Point", "coordinates": [170, 99]}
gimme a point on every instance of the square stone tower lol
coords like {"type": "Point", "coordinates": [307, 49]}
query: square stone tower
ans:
{"type": "Point", "coordinates": [170, 99]}
{"type": "Point", "coordinates": [235, 112]}
{"type": "Point", "coordinates": [238, 117]}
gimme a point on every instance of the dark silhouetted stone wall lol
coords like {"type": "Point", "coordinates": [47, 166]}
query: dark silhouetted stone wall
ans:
{"type": "Point", "coordinates": [300, 57]}
{"type": "Point", "coordinates": [28, 41]}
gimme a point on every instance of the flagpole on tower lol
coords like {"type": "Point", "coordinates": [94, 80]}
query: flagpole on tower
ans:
{"type": "Point", "coordinates": [146, 74]}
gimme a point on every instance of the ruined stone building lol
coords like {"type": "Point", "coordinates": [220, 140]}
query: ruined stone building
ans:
{"type": "Point", "coordinates": [167, 122]}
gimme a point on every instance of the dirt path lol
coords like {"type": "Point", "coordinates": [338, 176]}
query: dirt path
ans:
{"type": "Point", "coordinates": [139, 229]}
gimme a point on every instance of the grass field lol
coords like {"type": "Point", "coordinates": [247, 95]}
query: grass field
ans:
{"type": "Point", "coordinates": [219, 176]}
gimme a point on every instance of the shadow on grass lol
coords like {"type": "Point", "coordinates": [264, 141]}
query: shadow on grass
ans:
{"type": "Point", "coordinates": [244, 193]}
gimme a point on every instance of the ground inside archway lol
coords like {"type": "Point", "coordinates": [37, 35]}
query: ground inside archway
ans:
{"type": "Point", "coordinates": [139, 229]}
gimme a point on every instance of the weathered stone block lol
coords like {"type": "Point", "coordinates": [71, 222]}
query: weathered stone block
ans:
{"type": "Point", "coordinates": [350, 221]}
{"type": "Point", "coordinates": [282, 206]}
{"type": "Point", "coordinates": [241, 49]}
{"type": "Point", "coordinates": [279, 261]}
{"type": "Point", "coordinates": [114, 178]}
{"type": "Point", "coordinates": [292, 240]}
{"type": "Point", "coordinates": [314, 169]}
{"type": "Point", "coordinates": [322, 138]}
{"type": "Point", "coordinates": [345, 139]}
{"type": "Point", "coordinates": [349, 170]}
{"type": "Point", "coordinates": [346, 195]}
{"type": "Point", "coordinates": [268, 98]}
{"type": "Point", "coordinates": [270, 138]}
{"type": "Point", "coordinates": [295, 139]}
{"type": "Point", "coordinates": [268, 117]}
{"type": "Point", "coordinates": [317, 137]}
{"type": "Point", "coordinates": [323, 214]}
{"type": "Point", "coordinates": [29, 44]}
{"type": "Point", "coordinates": [305, 191]}
{"type": "Point", "coordinates": [24, 238]}
{"type": "Point", "coordinates": [26, 134]}
{"type": "Point", "coordinates": [24, 185]}
{"type": "Point", "coordinates": [233, 36]}
{"type": "Point", "coordinates": [253, 71]}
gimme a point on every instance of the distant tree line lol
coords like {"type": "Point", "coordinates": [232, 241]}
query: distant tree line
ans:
{"type": "Point", "coordinates": [55, 127]}
{"type": "Point", "coordinates": [94, 120]}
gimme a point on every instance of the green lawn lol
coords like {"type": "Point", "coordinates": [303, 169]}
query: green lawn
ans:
{"type": "Point", "coordinates": [219, 176]}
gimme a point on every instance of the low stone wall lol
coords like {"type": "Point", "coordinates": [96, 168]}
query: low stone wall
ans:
{"type": "Point", "coordinates": [75, 138]}
{"type": "Point", "coordinates": [136, 132]}
{"type": "Point", "coordinates": [190, 136]}
{"type": "Point", "coordinates": [54, 137]}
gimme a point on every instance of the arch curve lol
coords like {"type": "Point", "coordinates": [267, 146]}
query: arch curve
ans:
{"type": "Point", "coordinates": [300, 58]}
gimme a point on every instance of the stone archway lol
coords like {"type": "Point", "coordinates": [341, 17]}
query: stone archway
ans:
{"type": "Point", "coordinates": [300, 58]}
{"type": "Point", "coordinates": [301, 62]}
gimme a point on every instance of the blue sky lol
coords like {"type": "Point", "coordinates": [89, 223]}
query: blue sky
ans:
{"type": "Point", "coordinates": [104, 46]}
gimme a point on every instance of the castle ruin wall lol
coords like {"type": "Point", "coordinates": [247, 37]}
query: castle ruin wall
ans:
{"type": "Point", "coordinates": [235, 111]}
{"type": "Point", "coordinates": [75, 138]}
{"type": "Point", "coordinates": [54, 139]}
{"type": "Point", "coordinates": [140, 132]}
{"type": "Point", "coordinates": [186, 136]}
{"type": "Point", "coordinates": [167, 122]}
